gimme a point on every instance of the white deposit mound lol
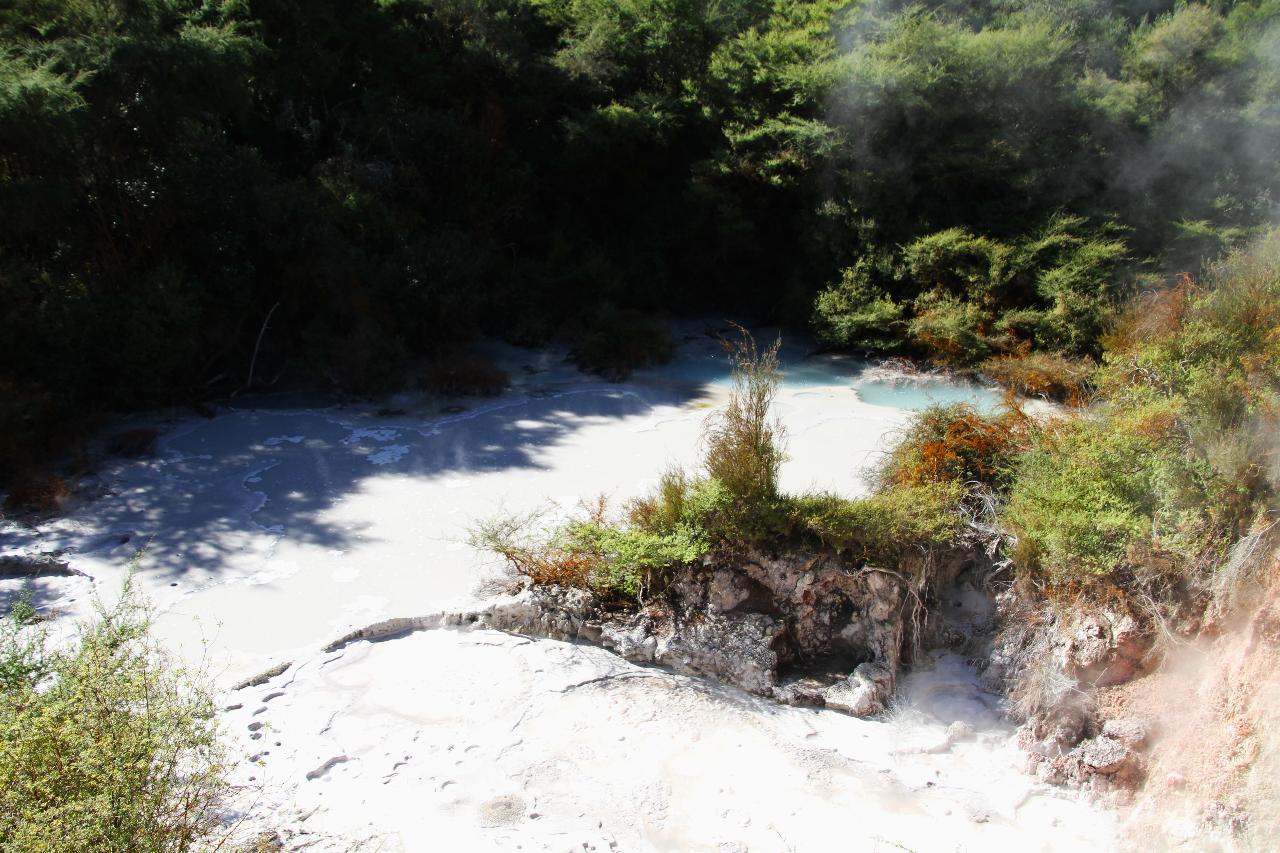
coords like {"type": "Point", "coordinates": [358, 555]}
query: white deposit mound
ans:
{"type": "Point", "coordinates": [270, 532]}
{"type": "Point", "coordinates": [447, 740]}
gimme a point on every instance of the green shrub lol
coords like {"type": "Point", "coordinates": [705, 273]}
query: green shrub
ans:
{"type": "Point", "coordinates": [623, 559]}
{"type": "Point", "coordinates": [106, 745]}
{"type": "Point", "coordinates": [664, 508]}
{"type": "Point", "coordinates": [959, 263]}
{"type": "Point", "coordinates": [680, 500]}
{"type": "Point", "coordinates": [880, 528]}
{"type": "Point", "coordinates": [957, 444]}
{"type": "Point", "coordinates": [599, 553]}
{"type": "Point", "coordinates": [960, 297]}
{"type": "Point", "coordinates": [858, 314]}
{"type": "Point", "coordinates": [1040, 374]}
{"type": "Point", "coordinates": [1081, 499]}
{"type": "Point", "coordinates": [950, 330]}
{"type": "Point", "coordinates": [1074, 270]}
{"type": "Point", "coordinates": [1197, 369]}
{"type": "Point", "coordinates": [23, 661]}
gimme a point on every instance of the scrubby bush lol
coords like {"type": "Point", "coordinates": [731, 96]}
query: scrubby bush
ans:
{"type": "Point", "coordinates": [623, 560]}
{"type": "Point", "coordinates": [858, 313]}
{"type": "Point", "coordinates": [1175, 464]}
{"type": "Point", "coordinates": [615, 343]}
{"type": "Point", "coordinates": [616, 560]}
{"type": "Point", "coordinates": [463, 374]}
{"type": "Point", "coordinates": [959, 298]}
{"type": "Point", "coordinates": [957, 262]}
{"type": "Point", "coordinates": [882, 527]}
{"type": "Point", "coordinates": [1045, 375]}
{"type": "Point", "coordinates": [680, 500]}
{"type": "Point", "coordinates": [951, 330]}
{"type": "Point", "coordinates": [958, 444]}
{"type": "Point", "coordinates": [39, 492]}
{"type": "Point", "coordinates": [1081, 500]}
{"type": "Point", "coordinates": [23, 660]}
{"type": "Point", "coordinates": [530, 550]}
{"type": "Point", "coordinates": [105, 745]}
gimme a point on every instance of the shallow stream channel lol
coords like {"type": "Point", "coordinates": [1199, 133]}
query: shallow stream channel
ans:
{"type": "Point", "coordinates": [263, 533]}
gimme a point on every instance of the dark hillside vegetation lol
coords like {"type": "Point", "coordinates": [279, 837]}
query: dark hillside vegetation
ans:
{"type": "Point", "coordinates": [199, 196]}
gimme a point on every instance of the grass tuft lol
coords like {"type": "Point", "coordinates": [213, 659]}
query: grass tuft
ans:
{"type": "Point", "coordinates": [744, 442]}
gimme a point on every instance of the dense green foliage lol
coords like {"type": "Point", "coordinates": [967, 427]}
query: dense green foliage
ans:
{"type": "Point", "coordinates": [1172, 464]}
{"type": "Point", "coordinates": [881, 528]}
{"type": "Point", "coordinates": [960, 299]}
{"type": "Point", "coordinates": [104, 745]}
{"type": "Point", "coordinates": [325, 190]}
{"type": "Point", "coordinates": [1179, 462]}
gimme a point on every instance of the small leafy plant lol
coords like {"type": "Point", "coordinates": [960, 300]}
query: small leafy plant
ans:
{"type": "Point", "coordinates": [106, 744]}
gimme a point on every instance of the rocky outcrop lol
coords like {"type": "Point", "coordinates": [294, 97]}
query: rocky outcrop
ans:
{"type": "Point", "coordinates": [1104, 648]}
{"type": "Point", "coordinates": [803, 627]}
{"type": "Point", "coordinates": [863, 693]}
{"type": "Point", "coordinates": [36, 565]}
{"type": "Point", "coordinates": [754, 626]}
{"type": "Point", "coordinates": [1111, 761]}
{"type": "Point", "coordinates": [1050, 662]}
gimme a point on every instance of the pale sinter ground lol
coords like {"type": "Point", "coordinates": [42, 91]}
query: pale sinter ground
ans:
{"type": "Point", "coordinates": [268, 532]}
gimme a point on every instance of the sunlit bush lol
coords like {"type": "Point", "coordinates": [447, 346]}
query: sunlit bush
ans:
{"type": "Point", "coordinates": [744, 442]}
{"type": "Point", "coordinates": [882, 527]}
{"type": "Point", "coordinates": [1045, 375]}
{"type": "Point", "coordinates": [951, 330]}
{"type": "Point", "coordinates": [958, 444]}
{"type": "Point", "coordinates": [859, 314]}
{"type": "Point", "coordinates": [595, 551]}
{"type": "Point", "coordinates": [106, 745]}
{"type": "Point", "coordinates": [1080, 500]}
{"type": "Point", "coordinates": [1177, 460]}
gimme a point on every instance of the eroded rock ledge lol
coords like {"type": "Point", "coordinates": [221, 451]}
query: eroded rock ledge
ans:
{"type": "Point", "coordinates": [807, 627]}
{"type": "Point", "coordinates": [804, 627]}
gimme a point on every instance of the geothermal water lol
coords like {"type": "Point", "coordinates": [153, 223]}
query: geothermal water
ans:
{"type": "Point", "coordinates": [264, 533]}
